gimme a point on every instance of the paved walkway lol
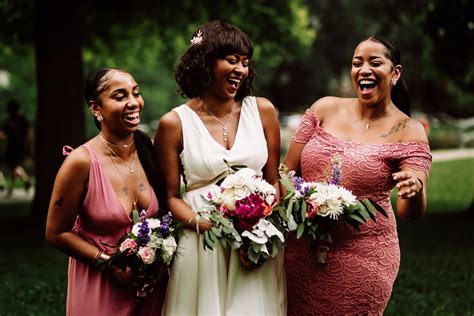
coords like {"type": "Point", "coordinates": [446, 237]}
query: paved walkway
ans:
{"type": "Point", "coordinates": [452, 154]}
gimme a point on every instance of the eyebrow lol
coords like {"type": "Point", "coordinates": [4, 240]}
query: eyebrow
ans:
{"type": "Point", "coordinates": [370, 58]}
{"type": "Point", "coordinates": [123, 90]}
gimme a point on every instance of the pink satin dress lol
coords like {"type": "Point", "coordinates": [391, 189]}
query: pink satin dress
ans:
{"type": "Point", "coordinates": [103, 219]}
{"type": "Point", "coordinates": [360, 267]}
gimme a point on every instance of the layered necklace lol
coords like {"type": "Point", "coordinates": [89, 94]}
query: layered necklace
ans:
{"type": "Point", "coordinates": [224, 124]}
{"type": "Point", "coordinates": [107, 143]}
{"type": "Point", "coordinates": [140, 186]}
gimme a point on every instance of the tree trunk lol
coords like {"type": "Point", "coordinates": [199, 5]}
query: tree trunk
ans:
{"type": "Point", "coordinates": [60, 111]}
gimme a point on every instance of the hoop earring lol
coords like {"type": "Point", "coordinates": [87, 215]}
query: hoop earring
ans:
{"type": "Point", "coordinates": [394, 81]}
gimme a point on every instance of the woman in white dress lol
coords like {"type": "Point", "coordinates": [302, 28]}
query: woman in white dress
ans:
{"type": "Point", "coordinates": [220, 121]}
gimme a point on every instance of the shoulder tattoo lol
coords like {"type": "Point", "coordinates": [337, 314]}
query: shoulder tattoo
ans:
{"type": "Point", "coordinates": [397, 127]}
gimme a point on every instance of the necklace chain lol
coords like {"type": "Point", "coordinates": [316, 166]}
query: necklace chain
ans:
{"type": "Point", "coordinates": [134, 202]}
{"type": "Point", "coordinates": [224, 125]}
{"type": "Point", "coordinates": [367, 125]}
{"type": "Point", "coordinates": [118, 157]}
{"type": "Point", "coordinates": [112, 144]}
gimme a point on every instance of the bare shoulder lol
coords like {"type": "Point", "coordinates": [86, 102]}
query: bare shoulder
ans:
{"type": "Point", "coordinates": [327, 105]}
{"type": "Point", "coordinates": [265, 105]}
{"type": "Point", "coordinates": [414, 131]}
{"type": "Point", "coordinates": [170, 120]}
{"type": "Point", "coordinates": [77, 162]}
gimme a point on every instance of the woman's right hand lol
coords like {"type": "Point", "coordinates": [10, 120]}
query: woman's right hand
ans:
{"type": "Point", "coordinates": [125, 277]}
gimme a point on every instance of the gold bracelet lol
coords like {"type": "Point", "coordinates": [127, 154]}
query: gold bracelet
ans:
{"type": "Point", "coordinates": [101, 260]}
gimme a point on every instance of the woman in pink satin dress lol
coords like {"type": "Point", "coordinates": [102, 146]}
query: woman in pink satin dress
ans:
{"type": "Point", "coordinates": [380, 147]}
{"type": "Point", "coordinates": [95, 191]}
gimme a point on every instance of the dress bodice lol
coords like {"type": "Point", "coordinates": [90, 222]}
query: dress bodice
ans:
{"type": "Point", "coordinates": [366, 168]}
{"type": "Point", "coordinates": [202, 157]}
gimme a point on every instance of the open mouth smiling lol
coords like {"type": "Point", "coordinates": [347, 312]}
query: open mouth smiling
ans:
{"type": "Point", "coordinates": [367, 86]}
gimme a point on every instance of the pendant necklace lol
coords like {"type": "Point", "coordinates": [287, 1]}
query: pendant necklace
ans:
{"type": "Point", "coordinates": [115, 145]}
{"type": "Point", "coordinates": [104, 141]}
{"type": "Point", "coordinates": [367, 125]}
{"type": "Point", "coordinates": [126, 189]}
{"type": "Point", "coordinates": [224, 125]}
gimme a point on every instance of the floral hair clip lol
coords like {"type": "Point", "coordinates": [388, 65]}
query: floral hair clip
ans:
{"type": "Point", "coordinates": [197, 39]}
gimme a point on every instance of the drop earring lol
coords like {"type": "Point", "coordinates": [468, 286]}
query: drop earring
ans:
{"type": "Point", "coordinates": [99, 117]}
{"type": "Point", "coordinates": [394, 81]}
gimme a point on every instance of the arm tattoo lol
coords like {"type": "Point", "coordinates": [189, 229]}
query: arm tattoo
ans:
{"type": "Point", "coordinates": [141, 187]}
{"type": "Point", "coordinates": [59, 202]}
{"type": "Point", "coordinates": [397, 127]}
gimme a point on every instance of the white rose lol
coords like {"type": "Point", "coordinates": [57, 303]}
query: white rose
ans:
{"type": "Point", "coordinates": [228, 199]}
{"type": "Point", "coordinates": [241, 192]}
{"type": "Point", "coordinates": [153, 223]}
{"type": "Point", "coordinates": [169, 245]}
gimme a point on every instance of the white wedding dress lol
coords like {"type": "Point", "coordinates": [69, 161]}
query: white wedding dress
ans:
{"type": "Point", "coordinates": [212, 282]}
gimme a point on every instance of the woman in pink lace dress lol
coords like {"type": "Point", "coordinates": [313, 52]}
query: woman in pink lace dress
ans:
{"type": "Point", "coordinates": [96, 189]}
{"type": "Point", "coordinates": [380, 148]}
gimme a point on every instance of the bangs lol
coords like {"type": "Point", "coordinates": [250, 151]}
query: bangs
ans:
{"type": "Point", "coordinates": [233, 42]}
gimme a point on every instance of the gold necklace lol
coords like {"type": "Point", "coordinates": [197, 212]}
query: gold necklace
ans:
{"type": "Point", "coordinates": [367, 125]}
{"type": "Point", "coordinates": [112, 144]}
{"type": "Point", "coordinates": [121, 160]}
{"type": "Point", "coordinates": [139, 186]}
{"type": "Point", "coordinates": [224, 125]}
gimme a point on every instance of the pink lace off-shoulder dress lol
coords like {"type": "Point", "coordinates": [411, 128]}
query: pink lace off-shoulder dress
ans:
{"type": "Point", "coordinates": [103, 219]}
{"type": "Point", "coordinates": [360, 267]}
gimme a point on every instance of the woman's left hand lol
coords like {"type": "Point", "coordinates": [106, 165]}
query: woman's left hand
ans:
{"type": "Point", "coordinates": [408, 184]}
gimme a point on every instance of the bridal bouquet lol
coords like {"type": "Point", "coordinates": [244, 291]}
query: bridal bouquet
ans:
{"type": "Point", "coordinates": [149, 249]}
{"type": "Point", "coordinates": [241, 211]}
{"type": "Point", "coordinates": [312, 208]}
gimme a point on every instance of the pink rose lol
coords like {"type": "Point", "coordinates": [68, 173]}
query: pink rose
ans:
{"type": "Point", "coordinates": [311, 208]}
{"type": "Point", "coordinates": [128, 245]}
{"type": "Point", "coordinates": [147, 254]}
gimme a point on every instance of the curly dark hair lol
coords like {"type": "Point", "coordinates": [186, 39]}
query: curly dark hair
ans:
{"type": "Point", "coordinates": [194, 71]}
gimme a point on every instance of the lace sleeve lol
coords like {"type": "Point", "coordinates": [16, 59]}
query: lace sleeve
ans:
{"type": "Point", "coordinates": [416, 156]}
{"type": "Point", "coordinates": [307, 127]}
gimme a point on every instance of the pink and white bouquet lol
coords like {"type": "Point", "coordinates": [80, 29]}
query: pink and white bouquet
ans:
{"type": "Point", "coordinates": [241, 210]}
{"type": "Point", "coordinates": [313, 208]}
{"type": "Point", "coordinates": [149, 249]}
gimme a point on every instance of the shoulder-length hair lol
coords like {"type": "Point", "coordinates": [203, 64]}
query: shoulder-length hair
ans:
{"type": "Point", "coordinates": [212, 41]}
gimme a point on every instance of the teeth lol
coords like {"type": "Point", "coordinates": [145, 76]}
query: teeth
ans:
{"type": "Point", "coordinates": [235, 80]}
{"type": "Point", "coordinates": [366, 82]}
{"type": "Point", "coordinates": [133, 115]}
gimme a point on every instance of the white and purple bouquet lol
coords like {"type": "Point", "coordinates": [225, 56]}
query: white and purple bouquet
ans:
{"type": "Point", "coordinates": [149, 249]}
{"type": "Point", "coordinates": [241, 210]}
{"type": "Point", "coordinates": [313, 208]}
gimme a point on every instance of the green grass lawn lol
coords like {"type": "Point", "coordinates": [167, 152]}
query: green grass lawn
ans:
{"type": "Point", "coordinates": [436, 274]}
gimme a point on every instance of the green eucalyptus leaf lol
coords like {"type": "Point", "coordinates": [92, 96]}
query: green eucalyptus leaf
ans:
{"type": "Point", "coordinates": [300, 230]}
{"type": "Point", "coordinates": [135, 216]}
{"type": "Point", "coordinates": [303, 210]}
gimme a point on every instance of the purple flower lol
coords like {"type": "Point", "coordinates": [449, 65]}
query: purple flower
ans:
{"type": "Point", "coordinates": [144, 231]}
{"type": "Point", "coordinates": [336, 171]}
{"type": "Point", "coordinates": [298, 183]}
{"type": "Point", "coordinates": [165, 225]}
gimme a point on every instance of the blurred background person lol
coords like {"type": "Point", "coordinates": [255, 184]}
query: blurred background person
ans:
{"type": "Point", "coordinates": [16, 131]}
